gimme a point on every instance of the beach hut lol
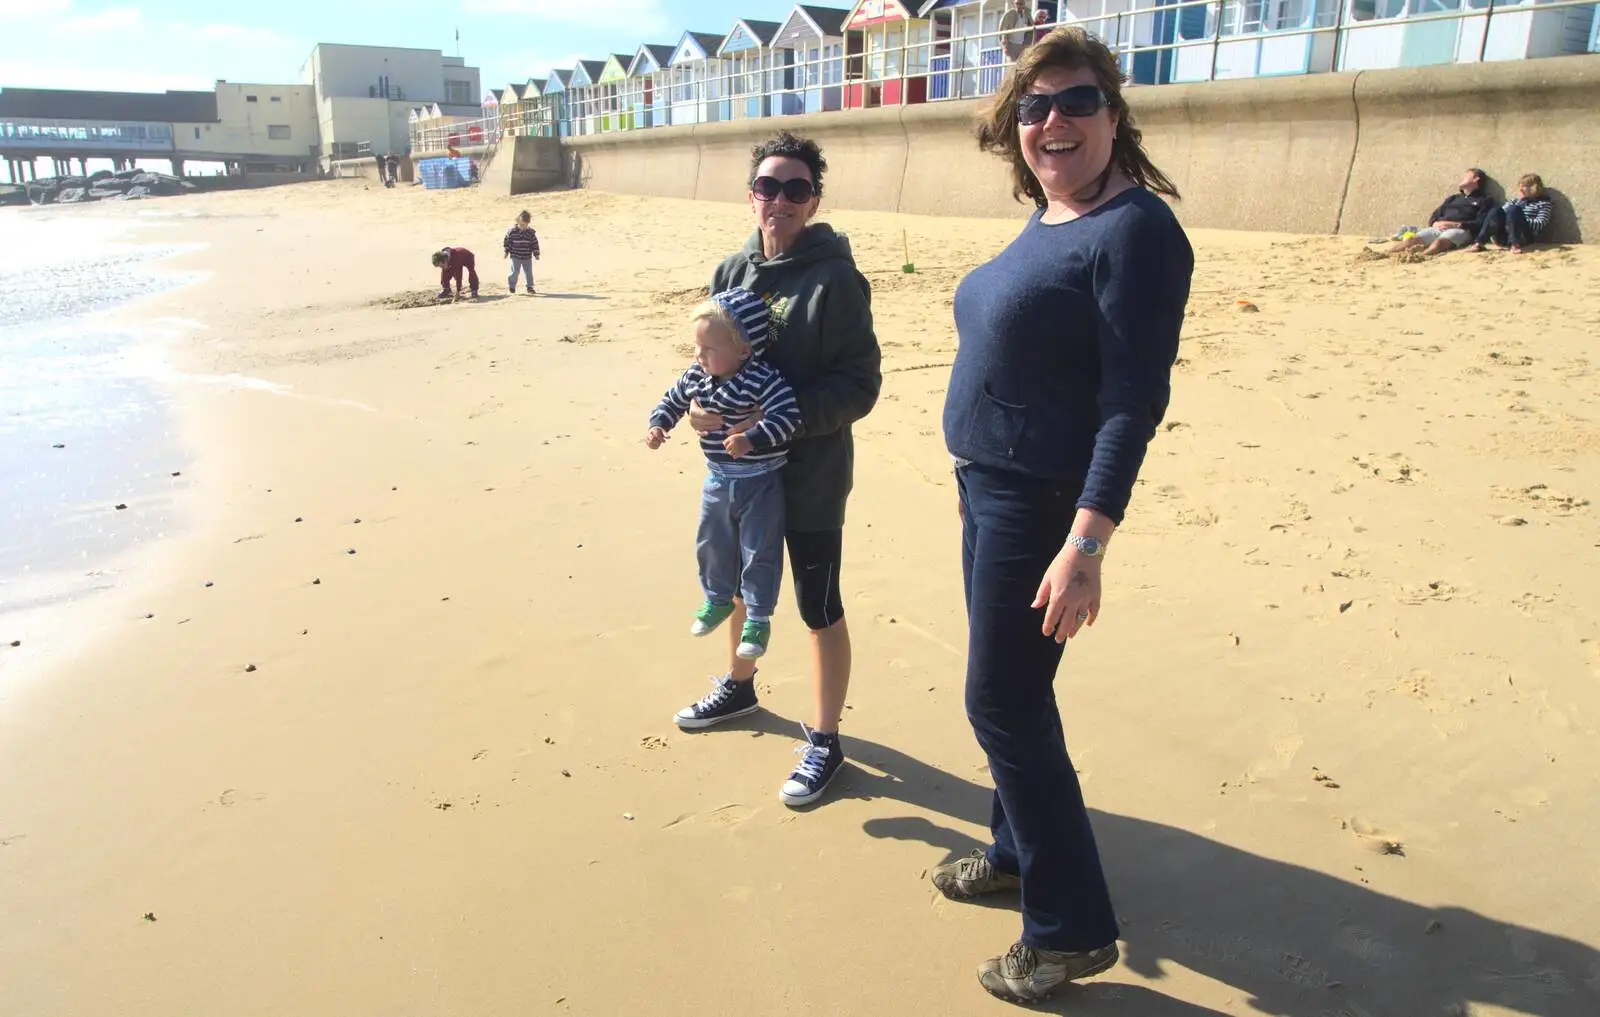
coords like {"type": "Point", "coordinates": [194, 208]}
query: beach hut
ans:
{"type": "Point", "coordinates": [510, 109]}
{"type": "Point", "coordinates": [645, 91]}
{"type": "Point", "coordinates": [583, 93]}
{"type": "Point", "coordinates": [759, 75]}
{"type": "Point", "coordinates": [1260, 40]}
{"type": "Point", "coordinates": [1383, 33]}
{"type": "Point", "coordinates": [491, 114]}
{"type": "Point", "coordinates": [615, 115]}
{"type": "Point", "coordinates": [696, 77]}
{"type": "Point", "coordinates": [887, 48]}
{"type": "Point", "coordinates": [533, 117]}
{"type": "Point", "coordinates": [815, 35]}
{"type": "Point", "coordinates": [558, 101]}
{"type": "Point", "coordinates": [968, 59]}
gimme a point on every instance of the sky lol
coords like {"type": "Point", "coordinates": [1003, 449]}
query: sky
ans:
{"type": "Point", "coordinates": [180, 44]}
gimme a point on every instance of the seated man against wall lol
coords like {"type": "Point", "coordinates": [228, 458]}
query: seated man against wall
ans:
{"type": "Point", "coordinates": [1455, 222]}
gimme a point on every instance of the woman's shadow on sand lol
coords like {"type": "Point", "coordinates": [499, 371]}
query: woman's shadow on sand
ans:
{"type": "Point", "coordinates": [1297, 942]}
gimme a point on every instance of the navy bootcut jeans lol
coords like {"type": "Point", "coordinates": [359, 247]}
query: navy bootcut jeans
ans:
{"type": "Point", "coordinates": [1013, 526]}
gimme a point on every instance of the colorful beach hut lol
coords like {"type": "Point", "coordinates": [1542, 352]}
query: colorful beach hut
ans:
{"type": "Point", "coordinates": [584, 97]}
{"type": "Point", "coordinates": [534, 111]}
{"type": "Point", "coordinates": [646, 92]}
{"type": "Point", "coordinates": [491, 114]}
{"type": "Point", "coordinates": [1391, 33]}
{"type": "Point", "coordinates": [509, 108]}
{"type": "Point", "coordinates": [615, 115]}
{"type": "Point", "coordinates": [815, 35]}
{"type": "Point", "coordinates": [558, 96]}
{"type": "Point", "coordinates": [697, 83]}
{"type": "Point", "coordinates": [886, 54]}
{"type": "Point", "coordinates": [759, 75]}
{"type": "Point", "coordinates": [968, 58]}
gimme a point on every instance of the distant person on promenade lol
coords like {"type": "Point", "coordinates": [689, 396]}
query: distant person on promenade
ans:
{"type": "Point", "coordinates": [451, 262]}
{"type": "Point", "coordinates": [1066, 342]}
{"type": "Point", "coordinates": [739, 544]}
{"type": "Point", "coordinates": [522, 247]}
{"type": "Point", "coordinates": [821, 316]}
{"type": "Point", "coordinates": [1041, 24]}
{"type": "Point", "coordinates": [1455, 222]}
{"type": "Point", "coordinates": [392, 164]}
{"type": "Point", "coordinates": [1018, 35]}
{"type": "Point", "coordinates": [1519, 221]}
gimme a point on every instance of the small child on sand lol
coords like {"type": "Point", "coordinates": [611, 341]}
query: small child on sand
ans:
{"type": "Point", "coordinates": [450, 261]}
{"type": "Point", "coordinates": [1519, 221]}
{"type": "Point", "coordinates": [522, 247]}
{"type": "Point", "coordinates": [740, 540]}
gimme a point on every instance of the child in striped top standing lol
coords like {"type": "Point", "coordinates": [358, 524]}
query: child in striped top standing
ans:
{"type": "Point", "coordinates": [740, 540]}
{"type": "Point", "coordinates": [522, 247]}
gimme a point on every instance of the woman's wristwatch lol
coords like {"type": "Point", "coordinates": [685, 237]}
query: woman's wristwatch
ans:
{"type": "Point", "coordinates": [1089, 547]}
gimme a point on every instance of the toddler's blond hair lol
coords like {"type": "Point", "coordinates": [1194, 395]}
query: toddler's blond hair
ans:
{"type": "Point", "coordinates": [710, 310]}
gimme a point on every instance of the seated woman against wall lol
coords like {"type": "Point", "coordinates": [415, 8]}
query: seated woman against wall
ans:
{"type": "Point", "coordinates": [1518, 222]}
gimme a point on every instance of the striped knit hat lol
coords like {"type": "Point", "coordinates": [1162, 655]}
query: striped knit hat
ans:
{"type": "Point", "coordinates": [750, 311]}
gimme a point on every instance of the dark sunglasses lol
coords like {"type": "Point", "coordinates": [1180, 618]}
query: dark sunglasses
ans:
{"type": "Point", "coordinates": [1077, 101]}
{"type": "Point", "coordinates": [797, 189]}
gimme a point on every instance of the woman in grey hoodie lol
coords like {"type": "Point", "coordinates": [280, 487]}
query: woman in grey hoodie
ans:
{"type": "Point", "coordinates": [824, 344]}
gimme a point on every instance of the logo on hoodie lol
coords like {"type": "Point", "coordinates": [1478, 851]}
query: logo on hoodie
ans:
{"type": "Point", "coordinates": [777, 314]}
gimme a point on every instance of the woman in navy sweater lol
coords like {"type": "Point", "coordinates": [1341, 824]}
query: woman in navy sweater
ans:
{"type": "Point", "coordinates": [1067, 341]}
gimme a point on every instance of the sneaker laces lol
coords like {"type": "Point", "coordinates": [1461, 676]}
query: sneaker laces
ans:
{"type": "Point", "coordinates": [975, 867]}
{"type": "Point", "coordinates": [1020, 961]}
{"type": "Point", "coordinates": [723, 690]}
{"type": "Point", "coordinates": [813, 758]}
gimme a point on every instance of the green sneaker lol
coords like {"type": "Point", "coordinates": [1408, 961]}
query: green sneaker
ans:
{"type": "Point", "coordinates": [753, 639]}
{"type": "Point", "coordinates": [709, 617]}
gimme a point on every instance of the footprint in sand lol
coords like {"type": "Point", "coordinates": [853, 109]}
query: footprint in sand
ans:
{"type": "Point", "coordinates": [1542, 496]}
{"type": "Point", "coordinates": [1374, 838]}
{"type": "Point", "coordinates": [1394, 468]}
{"type": "Point", "coordinates": [1422, 593]}
{"type": "Point", "coordinates": [723, 816]}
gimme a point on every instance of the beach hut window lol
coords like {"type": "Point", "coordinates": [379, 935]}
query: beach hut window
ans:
{"type": "Point", "coordinates": [1376, 10]}
{"type": "Point", "coordinates": [891, 54]}
{"type": "Point", "coordinates": [918, 37]}
{"type": "Point", "coordinates": [1434, 6]}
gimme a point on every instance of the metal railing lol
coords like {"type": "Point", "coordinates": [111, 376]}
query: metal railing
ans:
{"type": "Point", "coordinates": [933, 69]}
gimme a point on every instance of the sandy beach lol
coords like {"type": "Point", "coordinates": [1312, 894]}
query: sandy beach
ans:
{"type": "Point", "coordinates": [385, 727]}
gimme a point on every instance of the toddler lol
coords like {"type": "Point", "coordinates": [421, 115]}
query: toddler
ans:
{"type": "Point", "coordinates": [740, 541]}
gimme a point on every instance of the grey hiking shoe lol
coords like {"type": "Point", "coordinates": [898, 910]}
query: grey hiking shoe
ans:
{"type": "Point", "coordinates": [972, 876]}
{"type": "Point", "coordinates": [1025, 975]}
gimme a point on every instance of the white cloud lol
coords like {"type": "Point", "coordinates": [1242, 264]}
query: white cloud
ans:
{"type": "Point", "coordinates": [100, 77]}
{"type": "Point", "coordinates": [38, 10]}
{"type": "Point", "coordinates": [112, 19]}
{"type": "Point", "coordinates": [257, 38]}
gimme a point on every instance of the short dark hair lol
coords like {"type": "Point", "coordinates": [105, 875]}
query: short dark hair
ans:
{"type": "Point", "coordinates": [784, 145]}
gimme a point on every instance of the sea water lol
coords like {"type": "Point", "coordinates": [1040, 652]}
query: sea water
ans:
{"type": "Point", "coordinates": [85, 422]}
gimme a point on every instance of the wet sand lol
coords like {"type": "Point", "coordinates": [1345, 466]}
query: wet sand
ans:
{"type": "Point", "coordinates": [395, 735]}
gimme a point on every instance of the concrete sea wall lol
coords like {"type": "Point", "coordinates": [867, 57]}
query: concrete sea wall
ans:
{"type": "Point", "coordinates": [1357, 153]}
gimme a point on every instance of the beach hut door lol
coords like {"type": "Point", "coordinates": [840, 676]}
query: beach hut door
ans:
{"type": "Point", "coordinates": [968, 48]}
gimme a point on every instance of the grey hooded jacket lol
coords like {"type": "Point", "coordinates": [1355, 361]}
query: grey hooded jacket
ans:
{"type": "Point", "coordinates": [823, 342]}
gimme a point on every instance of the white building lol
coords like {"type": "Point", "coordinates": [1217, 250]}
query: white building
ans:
{"type": "Point", "coordinates": [260, 126]}
{"type": "Point", "coordinates": [365, 95]}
